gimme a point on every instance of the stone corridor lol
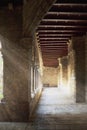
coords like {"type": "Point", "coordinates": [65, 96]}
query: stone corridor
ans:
{"type": "Point", "coordinates": [43, 50]}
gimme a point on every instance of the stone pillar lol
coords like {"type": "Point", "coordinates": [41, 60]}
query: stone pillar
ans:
{"type": "Point", "coordinates": [58, 75]}
{"type": "Point", "coordinates": [71, 71]}
{"type": "Point", "coordinates": [63, 71]}
{"type": "Point", "coordinates": [64, 62]}
{"type": "Point", "coordinates": [60, 82]}
{"type": "Point", "coordinates": [80, 72]}
{"type": "Point", "coordinates": [17, 79]}
{"type": "Point", "coordinates": [86, 66]}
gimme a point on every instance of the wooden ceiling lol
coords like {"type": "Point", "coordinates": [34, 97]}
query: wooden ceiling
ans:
{"type": "Point", "coordinates": [65, 19]}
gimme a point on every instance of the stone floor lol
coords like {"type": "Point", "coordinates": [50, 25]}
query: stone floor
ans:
{"type": "Point", "coordinates": [56, 111]}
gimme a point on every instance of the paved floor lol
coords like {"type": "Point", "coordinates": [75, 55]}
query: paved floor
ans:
{"type": "Point", "coordinates": [56, 111]}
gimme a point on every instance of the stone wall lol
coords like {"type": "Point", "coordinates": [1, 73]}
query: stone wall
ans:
{"type": "Point", "coordinates": [50, 77]}
{"type": "Point", "coordinates": [15, 58]}
{"type": "Point", "coordinates": [36, 77]}
{"type": "Point", "coordinates": [17, 54]}
{"type": "Point", "coordinates": [16, 76]}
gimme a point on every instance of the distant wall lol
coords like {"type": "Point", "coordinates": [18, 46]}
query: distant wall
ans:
{"type": "Point", "coordinates": [50, 76]}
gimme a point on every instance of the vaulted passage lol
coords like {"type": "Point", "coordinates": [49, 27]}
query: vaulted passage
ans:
{"type": "Point", "coordinates": [43, 64]}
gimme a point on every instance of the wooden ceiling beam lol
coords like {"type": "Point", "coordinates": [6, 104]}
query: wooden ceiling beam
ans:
{"type": "Point", "coordinates": [63, 31]}
{"type": "Point", "coordinates": [53, 38]}
{"type": "Point", "coordinates": [67, 13]}
{"type": "Point", "coordinates": [69, 7]}
{"type": "Point", "coordinates": [54, 35]}
{"type": "Point", "coordinates": [59, 41]}
{"type": "Point", "coordinates": [55, 60]}
{"type": "Point", "coordinates": [63, 22]}
{"type": "Point", "coordinates": [50, 53]}
{"type": "Point", "coordinates": [47, 65]}
{"type": "Point", "coordinates": [61, 26]}
{"type": "Point", "coordinates": [50, 60]}
{"type": "Point", "coordinates": [51, 64]}
{"type": "Point", "coordinates": [74, 32]}
{"type": "Point", "coordinates": [54, 44]}
{"type": "Point", "coordinates": [48, 57]}
{"type": "Point", "coordinates": [45, 47]}
{"type": "Point", "coordinates": [53, 48]}
{"type": "Point", "coordinates": [57, 48]}
{"type": "Point", "coordinates": [54, 51]}
{"type": "Point", "coordinates": [70, 4]}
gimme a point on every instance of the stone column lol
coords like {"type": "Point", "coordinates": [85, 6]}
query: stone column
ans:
{"type": "Point", "coordinates": [17, 79]}
{"type": "Point", "coordinates": [59, 73]}
{"type": "Point", "coordinates": [71, 72]}
{"type": "Point", "coordinates": [64, 62]}
{"type": "Point", "coordinates": [63, 71]}
{"type": "Point", "coordinates": [80, 72]}
{"type": "Point", "coordinates": [86, 65]}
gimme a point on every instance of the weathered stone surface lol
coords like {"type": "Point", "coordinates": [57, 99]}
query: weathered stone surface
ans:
{"type": "Point", "coordinates": [71, 73]}
{"type": "Point", "coordinates": [11, 24]}
{"type": "Point", "coordinates": [16, 80]}
{"type": "Point", "coordinates": [17, 57]}
{"type": "Point", "coordinates": [80, 73]}
{"type": "Point", "coordinates": [64, 71]}
{"type": "Point", "coordinates": [50, 76]}
{"type": "Point", "coordinates": [33, 12]}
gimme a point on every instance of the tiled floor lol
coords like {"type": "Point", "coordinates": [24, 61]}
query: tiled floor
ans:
{"type": "Point", "coordinates": [56, 111]}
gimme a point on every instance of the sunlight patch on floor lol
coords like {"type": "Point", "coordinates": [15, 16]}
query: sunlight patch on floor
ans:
{"type": "Point", "coordinates": [56, 96]}
{"type": "Point", "coordinates": [56, 101]}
